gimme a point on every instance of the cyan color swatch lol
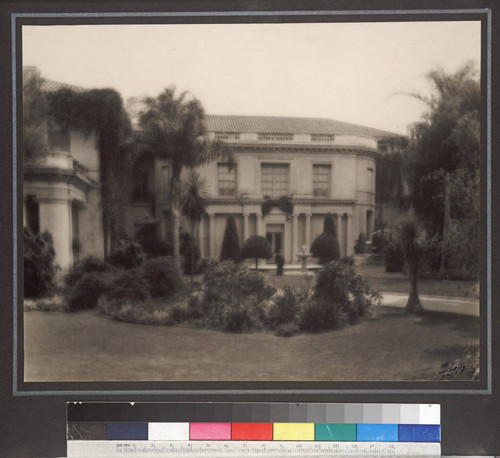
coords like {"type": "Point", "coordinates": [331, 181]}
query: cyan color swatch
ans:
{"type": "Point", "coordinates": [127, 431]}
{"type": "Point", "coordinates": [377, 433]}
{"type": "Point", "coordinates": [419, 433]}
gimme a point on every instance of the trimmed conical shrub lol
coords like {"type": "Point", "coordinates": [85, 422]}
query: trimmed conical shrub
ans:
{"type": "Point", "coordinates": [231, 244]}
{"type": "Point", "coordinates": [329, 225]}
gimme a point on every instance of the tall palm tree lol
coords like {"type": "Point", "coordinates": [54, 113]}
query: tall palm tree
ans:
{"type": "Point", "coordinates": [412, 236]}
{"type": "Point", "coordinates": [172, 128]}
{"type": "Point", "coordinates": [193, 195]}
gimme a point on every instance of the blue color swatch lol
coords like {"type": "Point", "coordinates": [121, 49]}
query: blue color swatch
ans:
{"type": "Point", "coordinates": [127, 431]}
{"type": "Point", "coordinates": [419, 433]}
{"type": "Point", "coordinates": [377, 432]}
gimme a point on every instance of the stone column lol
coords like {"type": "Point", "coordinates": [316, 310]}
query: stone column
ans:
{"type": "Point", "coordinates": [295, 237]}
{"type": "Point", "coordinates": [349, 250]}
{"type": "Point", "coordinates": [259, 225]}
{"type": "Point", "coordinates": [211, 235]}
{"type": "Point", "coordinates": [55, 217]}
{"type": "Point", "coordinates": [245, 227]}
{"type": "Point", "coordinates": [338, 221]}
{"type": "Point", "coordinates": [308, 231]}
{"type": "Point", "coordinates": [201, 236]}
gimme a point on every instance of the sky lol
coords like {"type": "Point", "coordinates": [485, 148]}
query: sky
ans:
{"type": "Point", "coordinates": [354, 72]}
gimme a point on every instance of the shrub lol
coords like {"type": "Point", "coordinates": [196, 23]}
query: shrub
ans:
{"type": "Point", "coordinates": [321, 315]}
{"type": "Point", "coordinates": [286, 306]}
{"type": "Point", "coordinates": [86, 292]}
{"type": "Point", "coordinates": [231, 244]}
{"type": "Point", "coordinates": [379, 241]}
{"type": "Point", "coordinates": [131, 312]}
{"type": "Point", "coordinates": [238, 316]}
{"type": "Point", "coordinates": [130, 285]}
{"type": "Point", "coordinates": [329, 225]}
{"type": "Point", "coordinates": [461, 251]}
{"type": "Point", "coordinates": [85, 266]}
{"type": "Point", "coordinates": [339, 284]}
{"type": "Point", "coordinates": [326, 248]}
{"type": "Point", "coordinates": [226, 280]}
{"type": "Point", "coordinates": [231, 297]}
{"type": "Point", "coordinates": [394, 258]}
{"type": "Point", "coordinates": [162, 276]}
{"type": "Point", "coordinates": [349, 260]}
{"type": "Point", "coordinates": [127, 254]}
{"type": "Point", "coordinates": [186, 252]}
{"type": "Point", "coordinates": [39, 267]}
{"type": "Point", "coordinates": [360, 246]}
{"type": "Point", "coordinates": [152, 245]}
{"type": "Point", "coordinates": [256, 247]}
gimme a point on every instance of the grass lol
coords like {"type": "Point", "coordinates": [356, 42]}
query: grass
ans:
{"type": "Point", "coordinates": [390, 346]}
{"type": "Point", "coordinates": [382, 281]}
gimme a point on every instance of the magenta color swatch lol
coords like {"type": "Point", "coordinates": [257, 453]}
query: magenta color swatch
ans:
{"type": "Point", "coordinates": [210, 431]}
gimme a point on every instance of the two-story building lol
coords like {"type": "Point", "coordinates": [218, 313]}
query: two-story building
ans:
{"type": "Point", "coordinates": [319, 166]}
{"type": "Point", "coordinates": [322, 166]}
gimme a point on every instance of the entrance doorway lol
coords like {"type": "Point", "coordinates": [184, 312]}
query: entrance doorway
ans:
{"type": "Point", "coordinates": [275, 235]}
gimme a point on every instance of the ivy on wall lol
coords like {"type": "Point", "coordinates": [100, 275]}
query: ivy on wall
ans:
{"type": "Point", "coordinates": [284, 203]}
{"type": "Point", "coordinates": [101, 111]}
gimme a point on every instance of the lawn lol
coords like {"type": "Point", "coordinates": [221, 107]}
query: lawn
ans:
{"type": "Point", "coordinates": [390, 346]}
{"type": "Point", "coordinates": [395, 283]}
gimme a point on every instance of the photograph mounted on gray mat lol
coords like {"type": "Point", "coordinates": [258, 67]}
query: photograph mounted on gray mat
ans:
{"type": "Point", "coordinates": [260, 202]}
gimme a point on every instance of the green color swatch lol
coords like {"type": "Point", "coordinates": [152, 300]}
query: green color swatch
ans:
{"type": "Point", "coordinates": [335, 432]}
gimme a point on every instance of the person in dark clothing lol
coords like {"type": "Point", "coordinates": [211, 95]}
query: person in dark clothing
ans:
{"type": "Point", "coordinates": [280, 261]}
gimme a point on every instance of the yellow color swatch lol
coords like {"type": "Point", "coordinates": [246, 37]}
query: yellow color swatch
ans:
{"type": "Point", "coordinates": [293, 432]}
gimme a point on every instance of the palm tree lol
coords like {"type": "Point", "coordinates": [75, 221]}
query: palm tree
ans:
{"type": "Point", "coordinates": [412, 236]}
{"type": "Point", "coordinates": [193, 195]}
{"type": "Point", "coordinates": [173, 129]}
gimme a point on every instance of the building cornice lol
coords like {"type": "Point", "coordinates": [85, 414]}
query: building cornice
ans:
{"type": "Point", "coordinates": [301, 148]}
{"type": "Point", "coordinates": [300, 201]}
{"type": "Point", "coordinates": [58, 175]}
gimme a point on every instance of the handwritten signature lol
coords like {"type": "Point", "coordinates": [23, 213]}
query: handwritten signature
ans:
{"type": "Point", "coordinates": [452, 371]}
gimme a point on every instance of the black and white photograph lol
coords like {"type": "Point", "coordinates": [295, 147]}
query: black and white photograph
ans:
{"type": "Point", "coordinates": [268, 202]}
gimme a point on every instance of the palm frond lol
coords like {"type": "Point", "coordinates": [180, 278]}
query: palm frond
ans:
{"type": "Point", "coordinates": [209, 151]}
{"type": "Point", "coordinates": [194, 192]}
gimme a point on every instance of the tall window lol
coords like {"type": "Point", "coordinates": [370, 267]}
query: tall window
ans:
{"type": "Point", "coordinates": [275, 178]}
{"type": "Point", "coordinates": [321, 180]}
{"type": "Point", "coordinates": [371, 180]}
{"type": "Point", "coordinates": [226, 176]}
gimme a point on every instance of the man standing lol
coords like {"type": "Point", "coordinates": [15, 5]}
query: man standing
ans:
{"type": "Point", "coordinates": [280, 261]}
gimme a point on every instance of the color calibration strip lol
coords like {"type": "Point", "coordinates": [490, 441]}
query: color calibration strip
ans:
{"type": "Point", "coordinates": [171, 431]}
{"type": "Point", "coordinates": [239, 429]}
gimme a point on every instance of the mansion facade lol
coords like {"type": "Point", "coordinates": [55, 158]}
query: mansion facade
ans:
{"type": "Point", "coordinates": [317, 166]}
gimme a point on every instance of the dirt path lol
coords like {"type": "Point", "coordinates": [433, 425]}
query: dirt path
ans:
{"type": "Point", "coordinates": [391, 346]}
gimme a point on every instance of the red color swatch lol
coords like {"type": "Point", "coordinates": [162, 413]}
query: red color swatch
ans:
{"type": "Point", "coordinates": [252, 432]}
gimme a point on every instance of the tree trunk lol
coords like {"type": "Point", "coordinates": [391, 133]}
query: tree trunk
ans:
{"type": "Point", "coordinates": [413, 305]}
{"type": "Point", "coordinates": [174, 220]}
{"type": "Point", "coordinates": [256, 264]}
{"type": "Point", "coordinates": [446, 218]}
{"type": "Point", "coordinates": [192, 254]}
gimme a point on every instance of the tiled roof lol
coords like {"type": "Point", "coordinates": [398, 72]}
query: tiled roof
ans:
{"type": "Point", "coordinates": [287, 125]}
{"type": "Point", "coordinates": [52, 86]}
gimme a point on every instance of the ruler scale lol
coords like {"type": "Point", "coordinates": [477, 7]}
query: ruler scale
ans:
{"type": "Point", "coordinates": [222, 429]}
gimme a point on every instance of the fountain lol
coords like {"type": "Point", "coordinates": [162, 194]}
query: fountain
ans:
{"type": "Point", "coordinates": [304, 257]}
